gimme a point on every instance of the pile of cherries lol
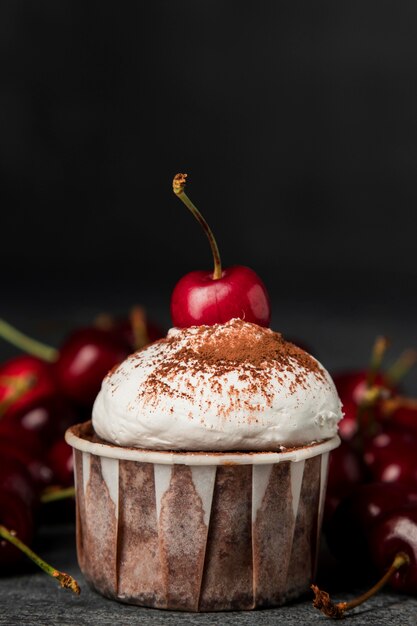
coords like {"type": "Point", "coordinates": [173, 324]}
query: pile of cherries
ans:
{"type": "Point", "coordinates": [371, 505]}
{"type": "Point", "coordinates": [40, 397]}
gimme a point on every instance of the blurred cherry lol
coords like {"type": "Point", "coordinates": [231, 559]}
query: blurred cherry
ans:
{"type": "Point", "coordinates": [349, 425]}
{"type": "Point", "coordinates": [352, 523]}
{"type": "Point", "coordinates": [46, 418]}
{"type": "Point", "coordinates": [17, 502]}
{"type": "Point", "coordinates": [84, 360]}
{"type": "Point", "coordinates": [26, 367]}
{"type": "Point", "coordinates": [391, 456]}
{"type": "Point", "coordinates": [61, 462]}
{"type": "Point", "coordinates": [399, 412]}
{"type": "Point", "coordinates": [346, 471]}
{"type": "Point", "coordinates": [16, 435]}
{"type": "Point", "coordinates": [393, 533]}
{"type": "Point", "coordinates": [40, 472]}
{"type": "Point", "coordinates": [406, 417]}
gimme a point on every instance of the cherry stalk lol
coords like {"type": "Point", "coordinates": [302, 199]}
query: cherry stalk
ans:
{"type": "Point", "coordinates": [202, 297]}
{"type": "Point", "coordinates": [323, 602]}
{"type": "Point", "coordinates": [53, 494]}
{"type": "Point", "coordinates": [65, 580]}
{"type": "Point", "coordinates": [27, 344]}
{"type": "Point", "coordinates": [178, 185]}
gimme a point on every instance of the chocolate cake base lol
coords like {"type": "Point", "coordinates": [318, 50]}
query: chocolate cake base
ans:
{"type": "Point", "coordinates": [198, 537]}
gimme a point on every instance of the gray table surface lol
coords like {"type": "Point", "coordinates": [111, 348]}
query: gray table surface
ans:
{"type": "Point", "coordinates": [341, 336]}
{"type": "Point", "coordinates": [35, 599]}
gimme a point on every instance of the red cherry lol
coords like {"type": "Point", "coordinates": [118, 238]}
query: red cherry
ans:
{"type": "Point", "coordinates": [209, 298]}
{"type": "Point", "coordinates": [16, 435]}
{"type": "Point", "coordinates": [40, 473]}
{"type": "Point", "coordinates": [391, 456]}
{"type": "Point", "coordinates": [84, 360]}
{"type": "Point", "coordinates": [349, 425]}
{"type": "Point", "coordinates": [404, 417]}
{"type": "Point", "coordinates": [351, 387]}
{"type": "Point", "coordinates": [16, 515]}
{"type": "Point", "coordinates": [199, 299]}
{"type": "Point", "coordinates": [45, 418]}
{"type": "Point", "coordinates": [61, 462]}
{"type": "Point", "coordinates": [17, 502]}
{"type": "Point", "coordinates": [353, 521]}
{"type": "Point", "coordinates": [345, 470]}
{"type": "Point", "coordinates": [24, 367]}
{"type": "Point", "coordinates": [397, 532]}
{"type": "Point", "coordinates": [15, 477]}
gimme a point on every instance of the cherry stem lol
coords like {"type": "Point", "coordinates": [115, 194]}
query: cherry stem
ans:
{"type": "Point", "coordinates": [65, 580]}
{"type": "Point", "coordinates": [104, 321]}
{"type": "Point", "coordinates": [19, 385]}
{"type": "Point", "coordinates": [27, 344]}
{"type": "Point", "coordinates": [390, 405]}
{"type": "Point", "coordinates": [53, 494]}
{"type": "Point", "coordinates": [401, 367]}
{"type": "Point", "coordinates": [378, 351]}
{"type": "Point", "coordinates": [365, 415]}
{"type": "Point", "coordinates": [178, 185]}
{"type": "Point", "coordinates": [138, 323]}
{"type": "Point", "coordinates": [323, 602]}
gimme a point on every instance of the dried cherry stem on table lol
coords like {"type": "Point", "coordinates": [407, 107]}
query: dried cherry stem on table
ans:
{"type": "Point", "coordinates": [323, 602]}
{"type": "Point", "coordinates": [53, 494]}
{"type": "Point", "coordinates": [27, 344]}
{"type": "Point", "coordinates": [65, 580]}
{"type": "Point", "coordinates": [178, 186]}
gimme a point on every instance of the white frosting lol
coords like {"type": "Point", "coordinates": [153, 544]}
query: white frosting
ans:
{"type": "Point", "coordinates": [160, 398]}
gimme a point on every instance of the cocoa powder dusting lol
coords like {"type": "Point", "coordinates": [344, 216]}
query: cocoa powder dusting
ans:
{"type": "Point", "coordinates": [254, 351]}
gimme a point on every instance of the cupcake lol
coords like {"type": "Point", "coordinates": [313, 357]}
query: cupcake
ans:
{"type": "Point", "coordinates": [201, 478]}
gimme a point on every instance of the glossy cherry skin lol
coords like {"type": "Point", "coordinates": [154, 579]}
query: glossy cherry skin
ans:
{"type": "Point", "coordinates": [197, 299]}
{"type": "Point", "coordinates": [405, 417]}
{"type": "Point", "coordinates": [351, 387]}
{"type": "Point", "coordinates": [61, 462]}
{"type": "Point", "coordinates": [43, 381]}
{"type": "Point", "coordinates": [349, 424]}
{"type": "Point", "coordinates": [391, 456]}
{"type": "Point", "coordinates": [17, 500]}
{"type": "Point", "coordinates": [353, 521]}
{"type": "Point", "coordinates": [40, 472]}
{"type": "Point", "coordinates": [45, 418]}
{"type": "Point", "coordinates": [346, 472]}
{"type": "Point", "coordinates": [15, 435]}
{"type": "Point", "coordinates": [84, 360]}
{"type": "Point", "coordinates": [346, 469]}
{"type": "Point", "coordinates": [397, 532]}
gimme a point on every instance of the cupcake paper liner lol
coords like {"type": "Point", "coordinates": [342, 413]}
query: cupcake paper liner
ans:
{"type": "Point", "coordinates": [197, 531]}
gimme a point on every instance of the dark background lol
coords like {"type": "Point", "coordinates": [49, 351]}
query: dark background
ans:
{"type": "Point", "coordinates": [296, 122]}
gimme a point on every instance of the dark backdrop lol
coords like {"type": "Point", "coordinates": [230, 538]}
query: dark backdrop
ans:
{"type": "Point", "coordinates": [296, 122]}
